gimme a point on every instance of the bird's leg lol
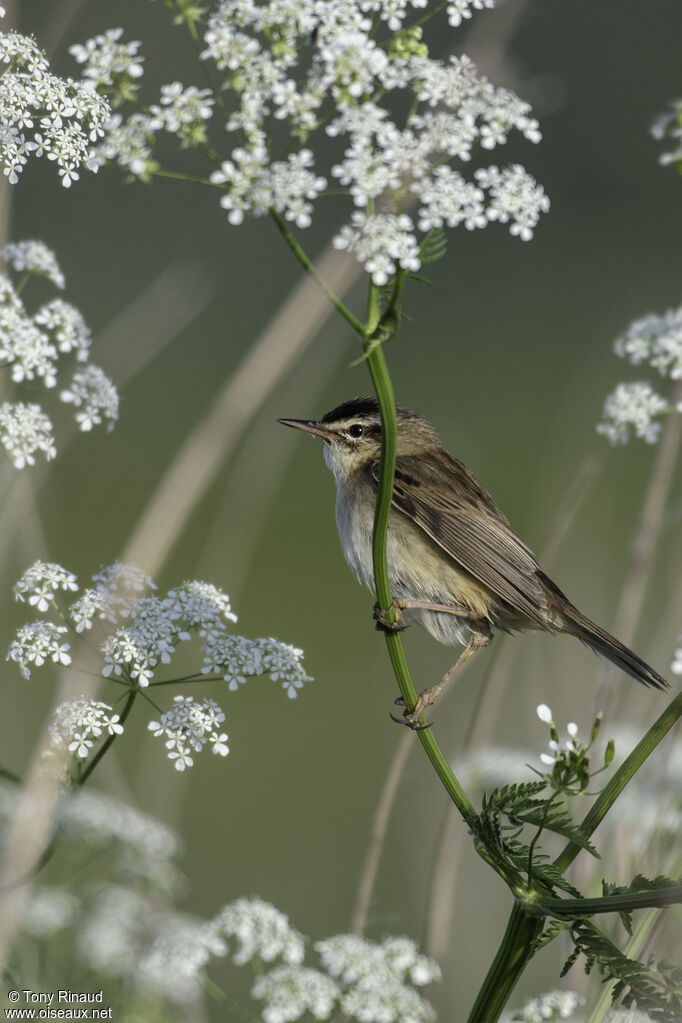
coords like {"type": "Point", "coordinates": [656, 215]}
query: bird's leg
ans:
{"type": "Point", "coordinates": [399, 604]}
{"type": "Point", "coordinates": [429, 696]}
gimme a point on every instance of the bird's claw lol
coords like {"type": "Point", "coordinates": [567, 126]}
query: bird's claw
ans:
{"type": "Point", "coordinates": [384, 624]}
{"type": "Point", "coordinates": [410, 721]}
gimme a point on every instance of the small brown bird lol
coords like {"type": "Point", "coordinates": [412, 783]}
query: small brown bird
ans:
{"type": "Point", "coordinates": [454, 562]}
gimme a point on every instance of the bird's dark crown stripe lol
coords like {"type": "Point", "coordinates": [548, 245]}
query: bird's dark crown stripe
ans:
{"type": "Point", "coordinates": [354, 407]}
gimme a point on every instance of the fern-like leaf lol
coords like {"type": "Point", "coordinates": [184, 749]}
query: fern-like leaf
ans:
{"type": "Point", "coordinates": [433, 247]}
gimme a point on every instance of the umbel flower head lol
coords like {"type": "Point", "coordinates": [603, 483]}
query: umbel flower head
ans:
{"type": "Point", "coordinates": [39, 350]}
{"type": "Point", "coordinates": [139, 633]}
{"type": "Point", "coordinates": [568, 763]}
{"type": "Point", "coordinates": [307, 98]}
{"type": "Point", "coordinates": [656, 341]}
{"type": "Point", "coordinates": [44, 115]}
{"type": "Point", "coordinates": [553, 1005]}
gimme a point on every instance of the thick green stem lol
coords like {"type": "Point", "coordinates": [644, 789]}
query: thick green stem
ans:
{"type": "Point", "coordinates": [507, 967]}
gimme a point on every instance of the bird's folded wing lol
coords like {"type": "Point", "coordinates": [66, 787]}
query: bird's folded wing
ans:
{"type": "Point", "coordinates": [459, 515]}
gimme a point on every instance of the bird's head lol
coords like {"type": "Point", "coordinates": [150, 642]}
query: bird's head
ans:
{"type": "Point", "coordinates": [351, 433]}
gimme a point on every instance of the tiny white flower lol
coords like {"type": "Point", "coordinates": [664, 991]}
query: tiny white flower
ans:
{"type": "Point", "coordinates": [544, 713]}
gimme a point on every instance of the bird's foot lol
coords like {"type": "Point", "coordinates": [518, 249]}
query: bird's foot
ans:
{"type": "Point", "coordinates": [384, 624]}
{"type": "Point", "coordinates": [411, 718]}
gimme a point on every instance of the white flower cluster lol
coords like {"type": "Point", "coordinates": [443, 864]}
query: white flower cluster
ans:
{"type": "Point", "coordinates": [553, 1005]}
{"type": "Point", "coordinates": [182, 109]}
{"type": "Point", "coordinates": [668, 127]}
{"type": "Point", "coordinates": [36, 644]}
{"type": "Point", "coordinates": [112, 65]}
{"type": "Point", "coordinates": [453, 109]}
{"type": "Point", "coordinates": [632, 407]}
{"type": "Point", "coordinates": [48, 910]}
{"type": "Point", "coordinates": [146, 847]}
{"type": "Point", "coordinates": [657, 341]}
{"type": "Point", "coordinates": [95, 397]}
{"type": "Point", "coordinates": [33, 349]}
{"type": "Point", "coordinates": [77, 724]}
{"type": "Point", "coordinates": [173, 962]}
{"type": "Point", "coordinates": [628, 1016]}
{"type": "Point", "coordinates": [188, 726]}
{"type": "Point", "coordinates": [43, 115]}
{"type": "Point", "coordinates": [34, 257]}
{"type": "Point", "coordinates": [41, 582]}
{"type": "Point", "coordinates": [556, 749]}
{"type": "Point", "coordinates": [290, 992]}
{"type": "Point", "coordinates": [261, 932]}
{"type": "Point", "coordinates": [24, 430]}
{"type": "Point", "coordinates": [142, 633]}
{"type": "Point", "coordinates": [237, 658]}
{"type": "Point", "coordinates": [126, 930]}
{"type": "Point", "coordinates": [366, 981]}
{"type": "Point", "coordinates": [105, 58]}
{"type": "Point", "coordinates": [297, 69]}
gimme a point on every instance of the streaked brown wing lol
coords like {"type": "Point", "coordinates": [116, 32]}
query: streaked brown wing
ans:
{"type": "Point", "coordinates": [450, 505]}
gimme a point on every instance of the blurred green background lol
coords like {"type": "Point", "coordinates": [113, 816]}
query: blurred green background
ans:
{"type": "Point", "coordinates": [510, 356]}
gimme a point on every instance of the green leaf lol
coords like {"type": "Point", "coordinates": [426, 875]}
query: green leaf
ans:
{"type": "Point", "coordinates": [433, 247]}
{"type": "Point", "coordinates": [654, 988]}
{"type": "Point", "coordinates": [551, 931]}
{"type": "Point", "coordinates": [557, 820]}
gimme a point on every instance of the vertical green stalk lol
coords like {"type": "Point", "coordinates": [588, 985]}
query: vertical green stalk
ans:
{"type": "Point", "coordinates": [507, 966]}
{"type": "Point", "coordinates": [389, 430]}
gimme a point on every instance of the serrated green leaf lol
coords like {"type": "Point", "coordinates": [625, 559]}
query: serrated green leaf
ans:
{"type": "Point", "coordinates": [433, 246]}
{"type": "Point", "coordinates": [558, 821]}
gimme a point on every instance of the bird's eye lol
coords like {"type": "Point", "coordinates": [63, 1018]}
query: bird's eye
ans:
{"type": "Point", "coordinates": [356, 430]}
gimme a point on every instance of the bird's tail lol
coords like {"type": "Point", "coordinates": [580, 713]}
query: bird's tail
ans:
{"type": "Point", "coordinates": [602, 642]}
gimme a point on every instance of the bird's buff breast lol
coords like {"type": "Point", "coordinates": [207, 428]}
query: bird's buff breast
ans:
{"type": "Point", "coordinates": [418, 568]}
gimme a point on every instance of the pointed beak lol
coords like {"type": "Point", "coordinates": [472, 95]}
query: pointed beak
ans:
{"type": "Point", "coordinates": [309, 426]}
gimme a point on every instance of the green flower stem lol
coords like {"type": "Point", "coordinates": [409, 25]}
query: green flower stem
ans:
{"type": "Point", "coordinates": [507, 966]}
{"type": "Point", "coordinates": [379, 328]}
{"type": "Point", "coordinates": [384, 392]}
{"type": "Point", "coordinates": [107, 744]}
{"type": "Point", "coordinates": [623, 775]}
{"type": "Point", "coordinates": [160, 172]}
{"type": "Point", "coordinates": [308, 266]}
